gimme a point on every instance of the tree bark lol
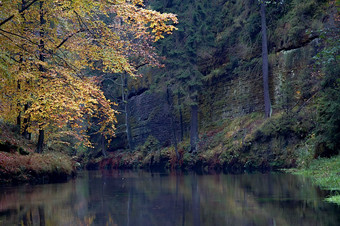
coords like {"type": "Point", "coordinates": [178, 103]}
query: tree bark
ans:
{"type": "Point", "coordinates": [25, 133]}
{"type": "Point", "coordinates": [125, 101]}
{"type": "Point", "coordinates": [103, 145]}
{"type": "Point", "coordinates": [194, 128]}
{"type": "Point", "coordinates": [40, 144]}
{"type": "Point", "coordinates": [173, 127]}
{"type": "Point", "coordinates": [19, 114]}
{"type": "Point", "coordinates": [41, 69]}
{"type": "Point", "coordinates": [267, 104]}
{"type": "Point", "coordinates": [180, 117]}
{"type": "Point", "coordinates": [128, 128]}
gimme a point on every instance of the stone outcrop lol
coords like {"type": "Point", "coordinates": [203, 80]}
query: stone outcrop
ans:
{"type": "Point", "coordinates": [150, 117]}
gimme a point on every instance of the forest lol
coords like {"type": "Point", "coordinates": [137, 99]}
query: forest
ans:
{"type": "Point", "coordinates": [227, 86]}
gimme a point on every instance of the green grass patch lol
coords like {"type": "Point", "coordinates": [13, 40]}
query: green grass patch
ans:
{"type": "Point", "coordinates": [334, 199]}
{"type": "Point", "coordinates": [324, 173]}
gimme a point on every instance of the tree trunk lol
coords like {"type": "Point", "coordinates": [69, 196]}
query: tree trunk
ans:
{"type": "Point", "coordinates": [19, 121]}
{"type": "Point", "coordinates": [180, 117]}
{"type": "Point", "coordinates": [267, 104]}
{"type": "Point", "coordinates": [40, 144]}
{"type": "Point", "coordinates": [103, 145]}
{"type": "Point", "coordinates": [194, 128]}
{"type": "Point", "coordinates": [25, 133]}
{"type": "Point", "coordinates": [128, 128]}
{"type": "Point", "coordinates": [173, 127]}
{"type": "Point", "coordinates": [125, 101]}
{"type": "Point", "coordinates": [19, 114]}
{"type": "Point", "coordinates": [41, 69]}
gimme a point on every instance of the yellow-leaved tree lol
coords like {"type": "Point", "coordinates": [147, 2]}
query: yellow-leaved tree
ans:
{"type": "Point", "coordinates": [48, 47]}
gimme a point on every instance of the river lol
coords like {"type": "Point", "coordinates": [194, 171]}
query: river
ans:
{"type": "Point", "coordinates": [146, 198]}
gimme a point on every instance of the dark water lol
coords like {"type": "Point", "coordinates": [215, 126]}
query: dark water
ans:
{"type": "Point", "coordinates": [142, 198]}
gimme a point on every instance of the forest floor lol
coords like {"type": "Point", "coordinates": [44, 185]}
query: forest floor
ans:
{"type": "Point", "coordinates": [19, 163]}
{"type": "Point", "coordinates": [324, 172]}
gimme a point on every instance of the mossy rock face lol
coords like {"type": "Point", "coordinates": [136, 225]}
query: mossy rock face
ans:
{"type": "Point", "coordinates": [227, 52]}
{"type": "Point", "coordinates": [150, 116]}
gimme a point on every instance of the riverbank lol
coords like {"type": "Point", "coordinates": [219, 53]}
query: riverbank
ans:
{"type": "Point", "coordinates": [240, 144]}
{"type": "Point", "coordinates": [243, 143]}
{"type": "Point", "coordinates": [35, 168]}
{"type": "Point", "coordinates": [324, 173]}
{"type": "Point", "coordinates": [19, 163]}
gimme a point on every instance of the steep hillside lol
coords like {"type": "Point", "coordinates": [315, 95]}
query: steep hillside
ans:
{"type": "Point", "coordinates": [215, 58]}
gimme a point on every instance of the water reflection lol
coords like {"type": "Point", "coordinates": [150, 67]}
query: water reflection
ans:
{"type": "Point", "coordinates": [142, 198]}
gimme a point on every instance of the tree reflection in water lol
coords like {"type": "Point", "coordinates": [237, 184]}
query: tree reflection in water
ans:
{"type": "Point", "coordinates": [144, 198]}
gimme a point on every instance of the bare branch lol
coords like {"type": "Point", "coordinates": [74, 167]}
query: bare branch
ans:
{"type": "Point", "coordinates": [68, 37]}
{"type": "Point", "coordinates": [22, 37]}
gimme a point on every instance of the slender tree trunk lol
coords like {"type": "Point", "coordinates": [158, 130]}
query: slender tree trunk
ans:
{"type": "Point", "coordinates": [40, 144]}
{"type": "Point", "coordinates": [19, 121]}
{"type": "Point", "coordinates": [126, 110]}
{"type": "Point", "coordinates": [173, 127]}
{"type": "Point", "coordinates": [41, 69]}
{"type": "Point", "coordinates": [19, 114]}
{"type": "Point", "coordinates": [267, 104]}
{"type": "Point", "coordinates": [25, 133]}
{"type": "Point", "coordinates": [194, 128]}
{"type": "Point", "coordinates": [103, 145]}
{"type": "Point", "coordinates": [128, 128]}
{"type": "Point", "coordinates": [180, 117]}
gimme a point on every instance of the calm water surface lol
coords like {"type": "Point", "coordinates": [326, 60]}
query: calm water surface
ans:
{"type": "Point", "coordinates": [144, 198]}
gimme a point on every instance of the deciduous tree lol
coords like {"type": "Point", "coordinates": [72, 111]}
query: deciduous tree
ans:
{"type": "Point", "coordinates": [47, 47]}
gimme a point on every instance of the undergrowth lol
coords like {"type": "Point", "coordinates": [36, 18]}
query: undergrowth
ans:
{"type": "Point", "coordinates": [248, 142]}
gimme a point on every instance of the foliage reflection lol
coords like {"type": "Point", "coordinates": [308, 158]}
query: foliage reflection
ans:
{"type": "Point", "coordinates": [144, 198]}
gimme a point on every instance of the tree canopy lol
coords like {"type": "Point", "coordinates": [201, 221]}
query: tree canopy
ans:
{"type": "Point", "coordinates": [48, 48]}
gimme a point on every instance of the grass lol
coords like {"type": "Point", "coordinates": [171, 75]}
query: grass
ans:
{"type": "Point", "coordinates": [324, 173]}
{"type": "Point", "coordinates": [334, 199]}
